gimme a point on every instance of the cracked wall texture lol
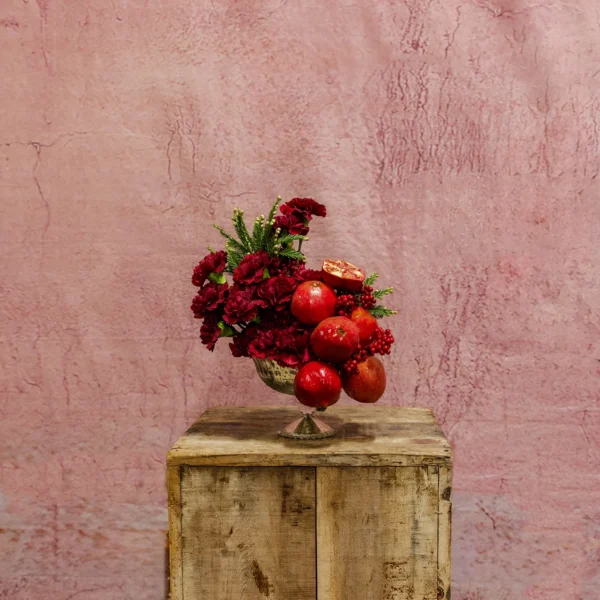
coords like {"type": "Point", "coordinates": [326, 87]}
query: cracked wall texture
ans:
{"type": "Point", "coordinates": [456, 146]}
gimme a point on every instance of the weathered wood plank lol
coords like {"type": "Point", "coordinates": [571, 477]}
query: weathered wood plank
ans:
{"type": "Point", "coordinates": [248, 534]}
{"type": "Point", "coordinates": [444, 533]}
{"type": "Point", "coordinates": [377, 533]}
{"type": "Point", "coordinates": [366, 436]}
{"type": "Point", "coordinates": [307, 460]}
{"type": "Point", "coordinates": [174, 502]}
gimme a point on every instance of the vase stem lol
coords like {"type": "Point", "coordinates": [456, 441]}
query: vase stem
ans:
{"type": "Point", "coordinates": [307, 427]}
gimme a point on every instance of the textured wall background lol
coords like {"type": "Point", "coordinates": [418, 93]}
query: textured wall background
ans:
{"type": "Point", "coordinates": [456, 145]}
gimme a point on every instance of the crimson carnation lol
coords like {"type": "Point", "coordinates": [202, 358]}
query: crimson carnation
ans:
{"type": "Point", "coordinates": [277, 291]}
{"type": "Point", "coordinates": [293, 346]}
{"type": "Point", "coordinates": [210, 330]}
{"type": "Point", "coordinates": [301, 273]}
{"type": "Point", "coordinates": [264, 344]}
{"type": "Point", "coordinates": [240, 343]}
{"type": "Point", "coordinates": [304, 208]}
{"type": "Point", "coordinates": [272, 319]}
{"type": "Point", "coordinates": [286, 345]}
{"type": "Point", "coordinates": [215, 262]}
{"type": "Point", "coordinates": [242, 304]}
{"type": "Point", "coordinates": [209, 298]}
{"type": "Point", "coordinates": [251, 268]}
{"type": "Point", "coordinates": [276, 266]}
{"type": "Point", "coordinates": [292, 224]}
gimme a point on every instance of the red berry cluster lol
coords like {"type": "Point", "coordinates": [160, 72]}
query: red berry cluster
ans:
{"type": "Point", "coordinates": [382, 342]}
{"type": "Point", "coordinates": [344, 304]}
{"type": "Point", "coordinates": [367, 300]}
{"type": "Point", "coordinates": [351, 365]}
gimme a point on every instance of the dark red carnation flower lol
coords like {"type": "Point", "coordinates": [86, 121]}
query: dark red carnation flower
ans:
{"type": "Point", "coordinates": [272, 319]}
{"type": "Point", "coordinates": [292, 224]}
{"type": "Point", "coordinates": [295, 347]}
{"type": "Point", "coordinates": [277, 291]}
{"type": "Point", "coordinates": [242, 304]}
{"type": "Point", "coordinates": [210, 330]}
{"type": "Point", "coordinates": [239, 346]}
{"type": "Point", "coordinates": [209, 298]}
{"type": "Point", "coordinates": [303, 208]}
{"type": "Point", "coordinates": [301, 273]}
{"type": "Point", "coordinates": [292, 346]}
{"type": "Point", "coordinates": [215, 262]}
{"type": "Point", "coordinates": [276, 266]}
{"type": "Point", "coordinates": [252, 267]}
{"type": "Point", "coordinates": [288, 344]}
{"type": "Point", "coordinates": [264, 344]}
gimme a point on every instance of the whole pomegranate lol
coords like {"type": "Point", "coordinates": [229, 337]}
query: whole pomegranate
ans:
{"type": "Point", "coordinates": [312, 302]}
{"type": "Point", "coordinates": [317, 385]}
{"type": "Point", "coordinates": [335, 339]}
{"type": "Point", "coordinates": [368, 384]}
{"type": "Point", "coordinates": [366, 323]}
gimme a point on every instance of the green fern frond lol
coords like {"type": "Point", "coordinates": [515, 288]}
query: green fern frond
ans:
{"type": "Point", "coordinates": [257, 233]}
{"type": "Point", "coordinates": [379, 312]}
{"type": "Point", "coordinates": [234, 256]}
{"type": "Point", "coordinates": [370, 280]}
{"type": "Point", "coordinates": [241, 229]}
{"type": "Point", "coordinates": [293, 254]}
{"type": "Point", "coordinates": [270, 221]}
{"type": "Point", "coordinates": [274, 209]}
{"type": "Point", "coordinates": [384, 292]}
{"type": "Point", "coordinates": [231, 240]}
{"type": "Point", "coordinates": [286, 239]}
{"type": "Point", "coordinates": [272, 243]}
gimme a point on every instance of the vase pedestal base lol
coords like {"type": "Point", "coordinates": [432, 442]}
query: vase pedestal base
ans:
{"type": "Point", "coordinates": [307, 427]}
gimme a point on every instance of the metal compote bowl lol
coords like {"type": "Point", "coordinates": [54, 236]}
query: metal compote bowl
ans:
{"type": "Point", "coordinates": [281, 379]}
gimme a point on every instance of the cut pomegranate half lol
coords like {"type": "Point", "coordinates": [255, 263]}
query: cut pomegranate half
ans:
{"type": "Point", "coordinates": [343, 275]}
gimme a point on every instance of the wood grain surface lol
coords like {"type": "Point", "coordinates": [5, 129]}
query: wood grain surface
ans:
{"type": "Point", "coordinates": [444, 533]}
{"type": "Point", "coordinates": [365, 516]}
{"type": "Point", "coordinates": [377, 436]}
{"type": "Point", "coordinates": [248, 533]}
{"type": "Point", "coordinates": [377, 533]}
{"type": "Point", "coordinates": [174, 500]}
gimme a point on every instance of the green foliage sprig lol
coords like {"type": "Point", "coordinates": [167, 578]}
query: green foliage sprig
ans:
{"type": "Point", "coordinates": [292, 253]}
{"type": "Point", "coordinates": [383, 292]}
{"type": "Point", "coordinates": [257, 232]}
{"type": "Point", "coordinates": [263, 237]}
{"type": "Point", "coordinates": [371, 279]}
{"type": "Point", "coordinates": [241, 229]}
{"type": "Point", "coordinates": [379, 311]}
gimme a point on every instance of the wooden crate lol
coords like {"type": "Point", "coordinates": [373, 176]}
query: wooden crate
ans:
{"type": "Point", "coordinates": [363, 516]}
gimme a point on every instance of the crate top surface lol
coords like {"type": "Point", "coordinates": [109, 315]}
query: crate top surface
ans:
{"type": "Point", "coordinates": [365, 436]}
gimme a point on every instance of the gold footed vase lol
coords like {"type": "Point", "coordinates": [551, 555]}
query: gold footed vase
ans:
{"type": "Point", "coordinates": [281, 379]}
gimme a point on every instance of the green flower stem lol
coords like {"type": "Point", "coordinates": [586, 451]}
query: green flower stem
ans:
{"type": "Point", "coordinates": [226, 329]}
{"type": "Point", "coordinates": [217, 278]}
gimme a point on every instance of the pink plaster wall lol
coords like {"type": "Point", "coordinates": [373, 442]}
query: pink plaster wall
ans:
{"type": "Point", "coordinates": [456, 145]}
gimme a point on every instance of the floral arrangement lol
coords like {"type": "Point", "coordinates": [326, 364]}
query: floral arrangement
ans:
{"type": "Point", "coordinates": [321, 323]}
